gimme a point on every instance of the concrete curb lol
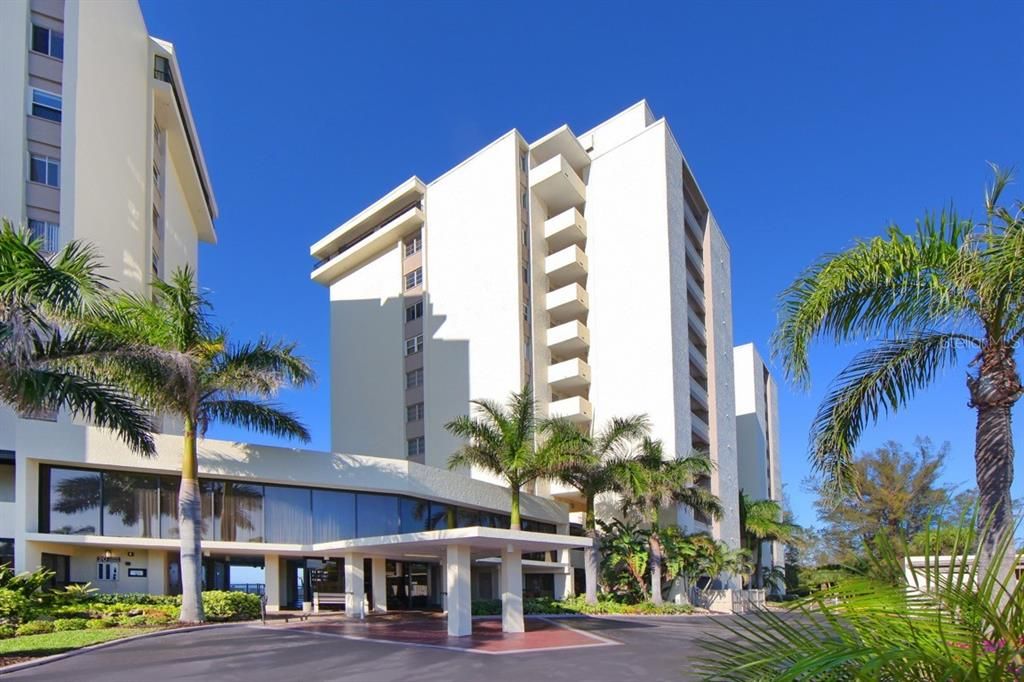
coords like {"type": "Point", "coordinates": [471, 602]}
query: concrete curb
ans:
{"type": "Point", "coordinates": [103, 645]}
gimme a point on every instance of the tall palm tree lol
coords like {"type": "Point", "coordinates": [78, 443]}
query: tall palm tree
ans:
{"type": "Point", "coordinates": [510, 441]}
{"type": "Point", "coordinates": [602, 453]}
{"type": "Point", "coordinates": [954, 285]}
{"type": "Point", "coordinates": [650, 482]}
{"type": "Point", "coordinates": [213, 381]}
{"type": "Point", "coordinates": [41, 296]}
{"type": "Point", "coordinates": [760, 522]}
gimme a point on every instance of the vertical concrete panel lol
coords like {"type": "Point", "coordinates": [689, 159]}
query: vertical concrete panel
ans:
{"type": "Point", "coordinates": [355, 589]}
{"type": "Point", "coordinates": [512, 590]}
{"type": "Point", "coordinates": [459, 586]}
{"type": "Point", "coordinates": [380, 584]}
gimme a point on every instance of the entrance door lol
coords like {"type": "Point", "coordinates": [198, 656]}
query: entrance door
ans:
{"type": "Point", "coordinates": [412, 585]}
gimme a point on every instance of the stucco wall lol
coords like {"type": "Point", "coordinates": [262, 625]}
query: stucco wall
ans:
{"type": "Point", "coordinates": [473, 304]}
{"type": "Point", "coordinates": [14, 30]}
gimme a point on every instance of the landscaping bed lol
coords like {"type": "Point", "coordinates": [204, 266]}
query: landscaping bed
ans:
{"type": "Point", "coordinates": [544, 606]}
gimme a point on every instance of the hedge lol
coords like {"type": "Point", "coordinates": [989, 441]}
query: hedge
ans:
{"type": "Point", "coordinates": [221, 605]}
{"type": "Point", "coordinates": [577, 605]}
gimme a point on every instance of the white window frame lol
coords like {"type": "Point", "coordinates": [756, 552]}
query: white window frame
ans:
{"type": "Point", "coordinates": [417, 311]}
{"type": "Point", "coordinates": [414, 344]}
{"type": "Point", "coordinates": [414, 412]}
{"type": "Point", "coordinates": [418, 374]}
{"type": "Point", "coordinates": [50, 234]}
{"type": "Point", "coordinates": [51, 170]}
{"type": "Point", "coordinates": [50, 33]}
{"type": "Point", "coordinates": [46, 93]}
{"type": "Point", "coordinates": [413, 278]}
{"type": "Point", "coordinates": [416, 446]}
{"type": "Point", "coordinates": [414, 245]}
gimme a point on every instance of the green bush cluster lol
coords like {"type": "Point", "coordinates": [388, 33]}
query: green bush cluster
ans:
{"type": "Point", "coordinates": [7, 631]}
{"type": "Point", "coordinates": [34, 627]}
{"type": "Point", "coordinates": [136, 599]}
{"type": "Point", "coordinates": [14, 606]}
{"type": "Point", "coordinates": [98, 624]}
{"type": "Point", "coordinates": [65, 624]}
{"type": "Point", "coordinates": [577, 605]}
{"type": "Point", "coordinates": [220, 605]}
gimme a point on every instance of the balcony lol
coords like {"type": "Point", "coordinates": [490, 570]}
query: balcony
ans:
{"type": "Point", "coordinates": [569, 339]}
{"type": "Point", "coordinates": [565, 229]}
{"type": "Point", "coordinates": [695, 288]}
{"type": "Point", "coordinates": [696, 323]}
{"type": "Point", "coordinates": [569, 377]}
{"type": "Point", "coordinates": [565, 267]}
{"type": "Point", "coordinates": [566, 304]}
{"type": "Point", "coordinates": [379, 239]}
{"type": "Point", "coordinates": [700, 428]}
{"type": "Point", "coordinates": [577, 410]}
{"type": "Point", "coordinates": [699, 395]}
{"type": "Point", "coordinates": [697, 359]}
{"type": "Point", "coordinates": [696, 260]}
{"type": "Point", "coordinates": [556, 184]}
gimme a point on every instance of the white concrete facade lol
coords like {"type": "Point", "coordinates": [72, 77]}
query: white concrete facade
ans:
{"type": "Point", "coordinates": [587, 266]}
{"type": "Point", "coordinates": [757, 434]}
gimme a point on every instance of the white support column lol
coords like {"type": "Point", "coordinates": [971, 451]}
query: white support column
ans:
{"type": "Point", "coordinates": [460, 613]}
{"type": "Point", "coordinates": [564, 588]}
{"type": "Point", "coordinates": [355, 591]}
{"type": "Point", "coordinates": [380, 584]}
{"type": "Point", "coordinates": [512, 590]}
{"type": "Point", "coordinates": [272, 581]}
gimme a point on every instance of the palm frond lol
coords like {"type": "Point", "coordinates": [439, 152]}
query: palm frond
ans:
{"type": "Point", "coordinates": [254, 415]}
{"type": "Point", "coordinates": [877, 381]}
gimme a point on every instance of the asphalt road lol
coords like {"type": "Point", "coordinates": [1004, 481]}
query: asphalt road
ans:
{"type": "Point", "coordinates": [652, 649]}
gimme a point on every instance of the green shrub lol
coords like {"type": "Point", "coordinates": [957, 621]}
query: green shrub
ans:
{"type": "Point", "coordinates": [34, 627]}
{"type": "Point", "coordinates": [28, 584]}
{"type": "Point", "coordinates": [136, 599]}
{"type": "Point", "coordinates": [577, 605]}
{"type": "Point", "coordinates": [131, 621]}
{"type": "Point", "coordinates": [219, 605]}
{"type": "Point", "coordinates": [157, 618]}
{"type": "Point", "coordinates": [98, 624]}
{"type": "Point", "coordinates": [64, 624]}
{"type": "Point", "coordinates": [7, 631]}
{"type": "Point", "coordinates": [14, 606]}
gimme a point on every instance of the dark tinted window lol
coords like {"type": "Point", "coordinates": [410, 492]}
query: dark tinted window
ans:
{"type": "Point", "coordinates": [442, 516]}
{"type": "Point", "coordinates": [467, 517]}
{"type": "Point", "coordinates": [242, 518]}
{"type": "Point", "coordinates": [74, 502]}
{"type": "Point", "coordinates": [334, 515]}
{"type": "Point", "coordinates": [376, 515]}
{"type": "Point", "coordinates": [287, 512]}
{"type": "Point", "coordinates": [415, 515]}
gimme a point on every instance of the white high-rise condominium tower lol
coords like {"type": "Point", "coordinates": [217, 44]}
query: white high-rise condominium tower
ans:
{"type": "Point", "coordinates": [757, 435]}
{"type": "Point", "coordinates": [97, 144]}
{"type": "Point", "coordinates": [589, 267]}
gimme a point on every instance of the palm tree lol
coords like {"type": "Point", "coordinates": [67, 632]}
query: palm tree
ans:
{"type": "Point", "coordinates": [601, 454]}
{"type": "Point", "coordinates": [508, 441]}
{"type": "Point", "coordinates": [212, 381]}
{"type": "Point", "coordinates": [650, 482]}
{"type": "Point", "coordinates": [41, 296]}
{"type": "Point", "coordinates": [760, 522]}
{"type": "Point", "coordinates": [954, 285]}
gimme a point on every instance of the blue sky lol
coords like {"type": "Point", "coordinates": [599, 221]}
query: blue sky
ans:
{"type": "Point", "coordinates": [807, 125]}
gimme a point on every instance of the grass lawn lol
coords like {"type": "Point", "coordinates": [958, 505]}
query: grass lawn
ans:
{"type": "Point", "coordinates": [57, 642]}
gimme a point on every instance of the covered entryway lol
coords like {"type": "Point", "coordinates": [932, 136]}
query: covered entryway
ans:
{"type": "Point", "coordinates": [454, 552]}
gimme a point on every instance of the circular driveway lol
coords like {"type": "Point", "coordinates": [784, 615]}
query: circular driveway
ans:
{"type": "Point", "coordinates": [651, 649]}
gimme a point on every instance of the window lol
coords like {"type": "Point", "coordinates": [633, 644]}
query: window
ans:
{"type": "Point", "coordinates": [288, 515]}
{"type": "Point", "coordinates": [526, 312]}
{"type": "Point", "coordinates": [414, 378]}
{"type": "Point", "coordinates": [7, 552]}
{"type": "Point", "coordinates": [526, 274]}
{"type": "Point", "coordinates": [73, 500]}
{"type": "Point", "coordinates": [414, 244]}
{"type": "Point", "coordinates": [334, 515]}
{"type": "Point", "coordinates": [524, 162]}
{"type": "Point", "coordinates": [47, 232]}
{"type": "Point", "coordinates": [414, 345]}
{"type": "Point", "coordinates": [414, 413]}
{"type": "Point", "coordinates": [45, 170]}
{"type": "Point", "coordinates": [416, 447]}
{"type": "Point", "coordinates": [156, 176]}
{"type": "Point", "coordinates": [130, 505]}
{"type": "Point", "coordinates": [414, 311]}
{"type": "Point", "coordinates": [48, 42]}
{"type": "Point", "coordinates": [525, 200]}
{"type": "Point", "coordinates": [414, 279]}
{"type": "Point", "coordinates": [46, 105]}
{"type": "Point", "coordinates": [376, 514]}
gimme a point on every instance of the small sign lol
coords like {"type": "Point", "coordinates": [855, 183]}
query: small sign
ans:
{"type": "Point", "coordinates": [136, 573]}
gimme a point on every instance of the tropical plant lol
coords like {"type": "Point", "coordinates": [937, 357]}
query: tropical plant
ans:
{"type": "Point", "coordinates": [601, 453]}
{"type": "Point", "coordinates": [650, 482]}
{"type": "Point", "coordinates": [954, 285]}
{"type": "Point", "coordinates": [41, 297]}
{"type": "Point", "coordinates": [511, 442]}
{"type": "Point", "coordinates": [760, 522]}
{"type": "Point", "coordinates": [212, 380]}
{"type": "Point", "coordinates": [947, 620]}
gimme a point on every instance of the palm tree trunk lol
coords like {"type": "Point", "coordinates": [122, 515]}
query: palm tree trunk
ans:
{"type": "Point", "coordinates": [755, 579]}
{"type": "Point", "coordinates": [656, 554]}
{"type": "Point", "coordinates": [993, 393]}
{"type": "Point", "coordinates": [189, 530]}
{"type": "Point", "coordinates": [591, 555]}
{"type": "Point", "coordinates": [514, 523]}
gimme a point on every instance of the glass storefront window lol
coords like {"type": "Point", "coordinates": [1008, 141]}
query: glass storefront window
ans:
{"type": "Point", "coordinates": [74, 502]}
{"type": "Point", "coordinates": [334, 515]}
{"type": "Point", "coordinates": [169, 506]}
{"type": "Point", "coordinates": [442, 516]}
{"type": "Point", "coordinates": [287, 512]}
{"type": "Point", "coordinates": [212, 504]}
{"type": "Point", "coordinates": [376, 514]}
{"type": "Point", "coordinates": [130, 505]}
{"type": "Point", "coordinates": [467, 517]}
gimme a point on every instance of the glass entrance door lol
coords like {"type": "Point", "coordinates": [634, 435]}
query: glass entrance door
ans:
{"type": "Point", "coordinates": [412, 585]}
